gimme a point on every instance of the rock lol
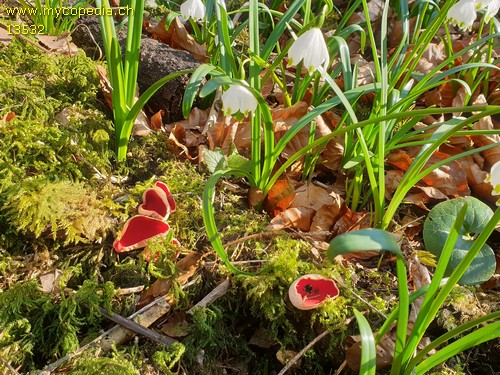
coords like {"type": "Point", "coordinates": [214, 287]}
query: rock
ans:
{"type": "Point", "coordinates": [157, 60]}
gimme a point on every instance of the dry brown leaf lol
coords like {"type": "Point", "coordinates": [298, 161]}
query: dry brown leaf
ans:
{"type": "Point", "coordinates": [472, 167]}
{"type": "Point", "coordinates": [324, 219]}
{"type": "Point", "coordinates": [60, 44]}
{"type": "Point", "coordinates": [178, 138]}
{"type": "Point", "coordinates": [176, 325]}
{"type": "Point", "coordinates": [350, 221]}
{"type": "Point", "coordinates": [262, 338]}
{"type": "Point", "coordinates": [177, 37]}
{"type": "Point", "coordinates": [187, 266]}
{"type": "Point", "coordinates": [441, 96]}
{"type": "Point", "coordinates": [384, 356]}
{"type": "Point", "coordinates": [285, 356]}
{"type": "Point", "coordinates": [5, 37]}
{"type": "Point", "coordinates": [310, 195]}
{"type": "Point", "coordinates": [493, 154]}
{"type": "Point", "coordinates": [450, 179]}
{"type": "Point", "coordinates": [156, 120]}
{"type": "Point", "coordinates": [279, 197]}
{"type": "Point", "coordinates": [296, 217]}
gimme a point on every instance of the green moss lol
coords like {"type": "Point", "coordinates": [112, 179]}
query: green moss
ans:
{"type": "Point", "coordinates": [59, 209]}
{"type": "Point", "coordinates": [36, 327]}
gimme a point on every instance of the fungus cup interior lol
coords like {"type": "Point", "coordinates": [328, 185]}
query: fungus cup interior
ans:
{"type": "Point", "coordinates": [314, 291]}
{"type": "Point", "coordinates": [155, 200]}
{"type": "Point", "coordinates": [138, 230]}
{"type": "Point", "coordinates": [170, 198]}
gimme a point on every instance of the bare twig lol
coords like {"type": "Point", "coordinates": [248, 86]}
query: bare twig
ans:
{"type": "Point", "coordinates": [301, 353]}
{"type": "Point", "coordinates": [22, 37]}
{"type": "Point", "coordinates": [137, 328]}
{"type": "Point", "coordinates": [9, 366]}
{"type": "Point", "coordinates": [216, 293]}
{"type": "Point", "coordinates": [147, 315]}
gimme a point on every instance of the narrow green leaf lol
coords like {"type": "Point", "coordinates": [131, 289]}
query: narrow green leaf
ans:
{"type": "Point", "coordinates": [368, 365]}
{"type": "Point", "coordinates": [483, 334]}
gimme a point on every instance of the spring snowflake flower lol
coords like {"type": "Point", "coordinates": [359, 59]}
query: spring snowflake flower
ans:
{"type": "Point", "coordinates": [193, 9]}
{"type": "Point", "coordinates": [494, 179]}
{"type": "Point", "coordinates": [238, 98]}
{"type": "Point", "coordinates": [463, 13]}
{"type": "Point", "coordinates": [311, 48]}
{"type": "Point", "coordinates": [491, 7]}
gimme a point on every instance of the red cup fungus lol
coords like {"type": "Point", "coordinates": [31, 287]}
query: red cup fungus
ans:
{"type": "Point", "coordinates": [310, 291]}
{"type": "Point", "coordinates": [157, 202]}
{"type": "Point", "coordinates": [137, 231]}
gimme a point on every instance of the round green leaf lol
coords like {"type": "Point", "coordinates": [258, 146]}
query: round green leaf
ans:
{"type": "Point", "coordinates": [439, 223]}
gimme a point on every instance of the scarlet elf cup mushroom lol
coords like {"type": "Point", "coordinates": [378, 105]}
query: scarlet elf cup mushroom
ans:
{"type": "Point", "coordinates": [310, 291]}
{"type": "Point", "coordinates": [157, 205]}
{"type": "Point", "coordinates": [157, 202]}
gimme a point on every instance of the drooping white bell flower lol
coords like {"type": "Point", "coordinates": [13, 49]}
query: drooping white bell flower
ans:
{"type": "Point", "coordinates": [494, 179]}
{"type": "Point", "coordinates": [238, 99]}
{"type": "Point", "coordinates": [463, 14]}
{"type": "Point", "coordinates": [193, 9]}
{"type": "Point", "coordinates": [491, 7]}
{"type": "Point", "coordinates": [310, 48]}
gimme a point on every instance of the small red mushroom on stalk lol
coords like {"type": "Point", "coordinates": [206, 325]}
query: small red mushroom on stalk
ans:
{"type": "Point", "coordinates": [158, 202]}
{"type": "Point", "coordinates": [310, 291]}
{"type": "Point", "coordinates": [137, 231]}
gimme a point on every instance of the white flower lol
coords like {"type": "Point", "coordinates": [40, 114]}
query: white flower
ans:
{"type": "Point", "coordinates": [491, 7]}
{"type": "Point", "coordinates": [494, 178]}
{"type": "Point", "coordinates": [193, 9]}
{"type": "Point", "coordinates": [238, 98]}
{"type": "Point", "coordinates": [463, 14]}
{"type": "Point", "coordinates": [311, 48]}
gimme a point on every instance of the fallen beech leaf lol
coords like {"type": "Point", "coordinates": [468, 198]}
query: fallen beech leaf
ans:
{"type": "Point", "coordinates": [50, 281]}
{"type": "Point", "coordinates": [262, 338]}
{"type": "Point", "coordinates": [310, 195]}
{"type": "Point", "coordinates": [384, 355]}
{"type": "Point", "coordinates": [279, 197]}
{"type": "Point", "coordinates": [285, 356]}
{"type": "Point", "coordinates": [177, 37]}
{"type": "Point", "coordinates": [176, 325]}
{"type": "Point", "coordinates": [326, 217]}
{"type": "Point", "coordinates": [450, 179]}
{"type": "Point", "coordinates": [187, 266]}
{"type": "Point", "coordinates": [5, 37]}
{"type": "Point", "coordinates": [350, 221]}
{"type": "Point", "coordinates": [60, 44]}
{"type": "Point", "coordinates": [156, 120]}
{"type": "Point", "coordinates": [296, 217]}
{"type": "Point", "coordinates": [474, 172]}
{"type": "Point", "coordinates": [493, 154]}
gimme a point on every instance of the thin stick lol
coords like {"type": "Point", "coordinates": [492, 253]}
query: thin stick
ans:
{"type": "Point", "coordinates": [54, 365]}
{"type": "Point", "coordinates": [301, 353]}
{"type": "Point", "coordinates": [216, 293]}
{"type": "Point", "coordinates": [9, 366]}
{"type": "Point", "coordinates": [137, 328]}
{"type": "Point", "coordinates": [22, 37]}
